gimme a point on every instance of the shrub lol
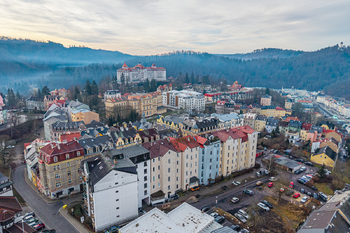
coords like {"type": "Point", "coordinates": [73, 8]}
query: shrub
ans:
{"type": "Point", "coordinates": [257, 165]}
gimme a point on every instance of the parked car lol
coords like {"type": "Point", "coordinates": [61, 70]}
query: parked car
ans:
{"type": "Point", "coordinates": [323, 196]}
{"type": "Point", "coordinates": [258, 183]}
{"type": "Point", "coordinates": [205, 208]}
{"type": "Point", "coordinates": [315, 196]}
{"type": "Point", "coordinates": [214, 214]}
{"type": "Point", "coordinates": [235, 227]}
{"type": "Point", "coordinates": [236, 183]}
{"type": "Point", "coordinates": [301, 181]}
{"type": "Point", "coordinates": [30, 214]}
{"type": "Point", "coordinates": [272, 178]}
{"type": "Point", "coordinates": [247, 191]}
{"type": "Point", "coordinates": [31, 220]}
{"type": "Point", "coordinates": [39, 226]}
{"type": "Point", "coordinates": [309, 194]}
{"type": "Point", "coordinates": [235, 200]}
{"type": "Point", "coordinates": [296, 195]}
{"type": "Point", "coordinates": [270, 185]}
{"type": "Point", "coordinates": [309, 176]}
{"type": "Point", "coordinates": [196, 188]}
{"type": "Point", "coordinates": [302, 169]}
{"type": "Point", "coordinates": [302, 191]}
{"type": "Point", "coordinates": [257, 174]}
{"type": "Point", "coordinates": [220, 219]}
{"type": "Point", "coordinates": [243, 213]}
{"type": "Point", "coordinates": [224, 187]}
{"type": "Point", "coordinates": [263, 206]}
{"type": "Point", "coordinates": [297, 172]}
{"type": "Point", "coordinates": [268, 204]}
{"type": "Point", "coordinates": [309, 164]}
{"type": "Point", "coordinates": [291, 184]}
{"type": "Point", "coordinates": [243, 231]}
{"type": "Point", "coordinates": [240, 217]}
{"type": "Point", "coordinates": [304, 199]}
{"type": "Point", "coordinates": [300, 160]}
{"type": "Point", "coordinates": [314, 188]}
{"type": "Point", "coordinates": [174, 196]}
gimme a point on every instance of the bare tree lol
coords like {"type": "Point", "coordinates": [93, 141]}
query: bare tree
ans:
{"type": "Point", "coordinates": [5, 149]}
{"type": "Point", "coordinates": [14, 121]}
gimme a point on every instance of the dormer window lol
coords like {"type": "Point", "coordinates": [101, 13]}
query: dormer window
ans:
{"type": "Point", "coordinates": [55, 159]}
{"type": "Point", "coordinates": [78, 153]}
{"type": "Point", "coordinates": [67, 156]}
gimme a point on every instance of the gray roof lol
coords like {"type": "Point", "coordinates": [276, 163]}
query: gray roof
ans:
{"type": "Point", "coordinates": [3, 178]}
{"type": "Point", "coordinates": [93, 142]}
{"type": "Point", "coordinates": [226, 117]}
{"type": "Point", "coordinates": [287, 162]}
{"type": "Point", "coordinates": [174, 119]}
{"type": "Point", "coordinates": [261, 118]}
{"type": "Point", "coordinates": [272, 121]}
{"type": "Point", "coordinates": [67, 125]}
{"type": "Point", "coordinates": [328, 151]}
{"type": "Point", "coordinates": [136, 153]}
{"type": "Point", "coordinates": [225, 229]}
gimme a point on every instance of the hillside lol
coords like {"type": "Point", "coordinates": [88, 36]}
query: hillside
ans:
{"type": "Point", "coordinates": [20, 57]}
{"type": "Point", "coordinates": [264, 53]}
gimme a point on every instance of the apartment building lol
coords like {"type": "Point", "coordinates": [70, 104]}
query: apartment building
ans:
{"type": "Point", "coordinates": [35, 103]}
{"type": "Point", "coordinates": [187, 100]}
{"type": "Point", "coordinates": [249, 119]}
{"type": "Point", "coordinates": [140, 73]}
{"type": "Point", "coordinates": [209, 159]}
{"type": "Point", "coordinates": [141, 159]}
{"type": "Point", "coordinates": [265, 100]}
{"type": "Point", "coordinates": [57, 129]}
{"type": "Point", "coordinates": [165, 170]}
{"type": "Point", "coordinates": [84, 115]}
{"type": "Point", "coordinates": [188, 150]}
{"type": "Point", "coordinates": [146, 104]}
{"type": "Point", "coordinates": [110, 190]}
{"type": "Point", "coordinates": [57, 174]}
{"type": "Point", "coordinates": [260, 123]}
{"type": "Point", "coordinates": [238, 149]}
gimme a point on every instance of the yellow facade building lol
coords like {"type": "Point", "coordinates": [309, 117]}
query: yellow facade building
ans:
{"type": "Point", "coordinates": [84, 115]}
{"type": "Point", "coordinates": [324, 155]}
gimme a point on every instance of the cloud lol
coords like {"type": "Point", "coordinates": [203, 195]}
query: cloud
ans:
{"type": "Point", "coordinates": [153, 27]}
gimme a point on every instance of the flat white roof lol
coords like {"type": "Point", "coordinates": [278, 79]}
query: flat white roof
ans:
{"type": "Point", "coordinates": [183, 219]}
{"type": "Point", "coordinates": [190, 219]}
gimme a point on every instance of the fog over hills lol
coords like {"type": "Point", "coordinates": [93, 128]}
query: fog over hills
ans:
{"type": "Point", "coordinates": [55, 65]}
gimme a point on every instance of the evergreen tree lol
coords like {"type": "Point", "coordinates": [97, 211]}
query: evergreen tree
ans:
{"type": "Point", "coordinates": [39, 94]}
{"type": "Point", "coordinates": [77, 93]}
{"type": "Point", "coordinates": [192, 78]}
{"type": "Point", "coordinates": [122, 79]}
{"type": "Point", "coordinates": [18, 96]}
{"type": "Point", "coordinates": [45, 91]}
{"type": "Point", "coordinates": [11, 98]}
{"type": "Point", "coordinates": [187, 80]}
{"type": "Point", "coordinates": [88, 87]}
{"type": "Point", "coordinates": [146, 85]}
{"type": "Point", "coordinates": [94, 88]}
{"type": "Point", "coordinates": [153, 85]}
{"type": "Point", "coordinates": [322, 171]}
{"type": "Point", "coordinates": [267, 92]}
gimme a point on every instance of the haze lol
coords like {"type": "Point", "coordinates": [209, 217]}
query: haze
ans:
{"type": "Point", "coordinates": [153, 27]}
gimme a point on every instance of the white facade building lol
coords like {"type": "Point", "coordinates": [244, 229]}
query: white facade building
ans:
{"type": "Point", "coordinates": [187, 100]}
{"type": "Point", "coordinates": [141, 159]}
{"type": "Point", "coordinates": [140, 73]}
{"type": "Point", "coordinates": [112, 94]}
{"type": "Point", "coordinates": [110, 191]}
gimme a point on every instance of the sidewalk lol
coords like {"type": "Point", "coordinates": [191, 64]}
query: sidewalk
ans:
{"type": "Point", "coordinates": [74, 222]}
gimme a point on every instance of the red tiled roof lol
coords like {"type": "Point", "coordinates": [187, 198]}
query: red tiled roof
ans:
{"type": "Point", "coordinates": [200, 140]}
{"type": "Point", "coordinates": [27, 144]}
{"type": "Point", "coordinates": [159, 148]}
{"type": "Point", "coordinates": [288, 119]}
{"type": "Point", "coordinates": [306, 126]}
{"type": "Point", "coordinates": [124, 65]}
{"type": "Point", "coordinates": [9, 206]}
{"type": "Point", "coordinates": [279, 108]}
{"type": "Point", "coordinates": [60, 150]}
{"type": "Point", "coordinates": [69, 137]}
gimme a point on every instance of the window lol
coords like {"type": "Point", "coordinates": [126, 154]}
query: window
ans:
{"type": "Point", "coordinates": [186, 156]}
{"type": "Point", "coordinates": [145, 185]}
{"type": "Point", "coordinates": [54, 168]}
{"type": "Point", "coordinates": [168, 187]}
{"type": "Point", "coordinates": [117, 208]}
{"type": "Point", "coordinates": [145, 178]}
{"type": "Point", "coordinates": [169, 178]}
{"type": "Point", "coordinates": [228, 147]}
{"type": "Point", "coordinates": [67, 156]}
{"type": "Point", "coordinates": [153, 186]}
{"type": "Point", "coordinates": [169, 161]}
{"type": "Point", "coordinates": [70, 181]}
{"type": "Point", "coordinates": [191, 165]}
{"type": "Point", "coordinates": [154, 169]}
{"type": "Point", "coordinates": [191, 157]}
{"type": "Point", "coordinates": [117, 200]}
{"type": "Point", "coordinates": [58, 185]}
{"type": "Point", "coordinates": [158, 176]}
{"type": "Point", "coordinates": [186, 164]}
{"type": "Point", "coordinates": [168, 170]}
{"type": "Point", "coordinates": [57, 176]}
{"type": "Point", "coordinates": [190, 173]}
{"type": "Point", "coordinates": [158, 158]}
{"type": "Point", "coordinates": [177, 178]}
{"type": "Point", "coordinates": [158, 184]}
{"type": "Point", "coordinates": [117, 191]}
{"type": "Point", "coordinates": [158, 167]}
{"type": "Point", "coordinates": [210, 160]}
{"type": "Point", "coordinates": [177, 170]}
{"type": "Point", "coordinates": [154, 160]}
{"type": "Point", "coordinates": [209, 167]}
{"type": "Point", "coordinates": [55, 158]}
{"type": "Point", "coordinates": [228, 161]}
{"type": "Point", "coordinates": [186, 173]}
{"type": "Point", "coordinates": [154, 178]}
{"type": "Point", "coordinates": [228, 154]}
{"type": "Point", "coordinates": [186, 180]}
{"type": "Point", "coordinates": [145, 164]}
{"type": "Point", "coordinates": [69, 173]}
{"type": "Point", "coordinates": [80, 178]}
{"type": "Point", "coordinates": [116, 183]}
{"type": "Point", "coordinates": [78, 153]}
{"type": "Point", "coordinates": [145, 171]}
{"type": "Point", "coordinates": [177, 162]}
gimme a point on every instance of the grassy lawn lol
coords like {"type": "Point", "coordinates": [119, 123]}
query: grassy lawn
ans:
{"type": "Point", "coordinates": [323, 187]}
{"type": "Point", "coordinates": [77, 210]}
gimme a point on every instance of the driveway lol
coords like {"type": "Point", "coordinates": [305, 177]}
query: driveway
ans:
{"type": "Point", "coordinates": [48, 213]}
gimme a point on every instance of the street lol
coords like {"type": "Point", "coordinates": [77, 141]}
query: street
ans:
{"type": "Point", "coordinates": [48, 213]}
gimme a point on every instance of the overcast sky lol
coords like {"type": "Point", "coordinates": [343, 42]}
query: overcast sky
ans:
{"type": "Point", "coordinates": [143, 27]}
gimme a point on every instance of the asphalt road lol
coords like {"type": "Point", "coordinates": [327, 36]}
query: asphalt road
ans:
{"type": "Point", "coordinates": [48, 213]}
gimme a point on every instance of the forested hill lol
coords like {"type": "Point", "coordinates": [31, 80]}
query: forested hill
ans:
{"type": "Point", "coordinates": [19, 57]}
{"type": "Point", "coordinates": [327, 69]}
{"type": "Point", "coordinates": [264, 53]}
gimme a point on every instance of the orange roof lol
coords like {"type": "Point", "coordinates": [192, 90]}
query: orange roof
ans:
{"type": "Point", "coordinates": [288, 119]}
{"type": "Point", "coordinates": [69, 137]}
{"type": "Point", "coordinates": [200, 140]}
{"type": "Point", "coordinates": [125, 65]}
